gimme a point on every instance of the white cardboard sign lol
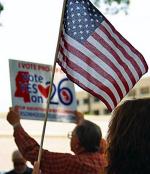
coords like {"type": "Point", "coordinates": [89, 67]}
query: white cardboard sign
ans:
{"type": "Point", "coordinates": [30, 83]}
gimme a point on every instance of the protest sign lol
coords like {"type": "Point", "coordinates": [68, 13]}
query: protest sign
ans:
{"type": "Point", "coordinates": [30, 83]}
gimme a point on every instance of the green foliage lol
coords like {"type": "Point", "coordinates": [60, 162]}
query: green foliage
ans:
{"type": "Point", "coordinates": [1, 7]}
{"type": "Point", "coordinates": [110, 1]}
{"type": "Point", "coordinates": [118, 1]}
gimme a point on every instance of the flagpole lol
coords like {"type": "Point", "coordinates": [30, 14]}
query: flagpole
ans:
{"type": "Point", "coordinates": [51, 82]}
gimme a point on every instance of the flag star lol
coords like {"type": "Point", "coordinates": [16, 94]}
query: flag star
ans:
{"type": "Point", "coordinates": [89, 9]}
{"type": "Point", "coordinates": [74, 33]}
{"type": "Point", "coordinates": [85, 13]}
{"type": "Point", "coordinates": [71, 9]}
{"type": "Point", "coordinates": [92, 19]}
{"type": "Point", "coordinates": [71, 3]}
{"type": "Point", "coordinates": [85, 19]}
{"type": "Point", "coordinates": [72, 15]}
{"type": "Point", "coordinates": [90, 14]}
{"type": "Point", "coordinates": [82, 38]}
{"type": "Point", "coordinates": [78, 8]}
{"type": "Point", "coordinates": [86, 25]}
{"type": "Point", "coordinates": [84, 8]}
{"type": "Point", "coordinates": [69, 29]}
{"type": "Point", "coordinates": [79, 20]}
{"type": "Point", "coordinates": [81, 32]}
{"type": "Point", "coordinates": [74, 27]}
{"type": "Point", "coordinates": [87, 31]}
{"type": "Point", "coordinates": [68, 23]}
{"type": "Point", "coordinates": [77, 2]}
{"type": "Point", "coordinates": [78, 14]}
{"type": "Point", "coordinates": [92, 25]}
{"type": "Point", "coordinates": [93, 10]}
{"type": "Point", "coordinates": [80, 26]}
{"type": "Point", "coordinates": [95, 15]}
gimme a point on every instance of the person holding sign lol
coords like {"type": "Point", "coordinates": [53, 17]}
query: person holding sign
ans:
{"type": "Point", "coordinates": [85, 143]}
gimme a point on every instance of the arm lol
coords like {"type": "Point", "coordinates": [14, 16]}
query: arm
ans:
{"type": "Point", "coordinates": [26, 144]}
{"type": "Point", "coordinates": [50, 161]}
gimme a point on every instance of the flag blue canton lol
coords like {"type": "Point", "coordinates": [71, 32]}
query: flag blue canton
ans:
{"type": "Point", "coordinates": [81, 19]}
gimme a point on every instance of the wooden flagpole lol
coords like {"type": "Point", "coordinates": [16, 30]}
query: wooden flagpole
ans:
{"type": "Point", "coordinates": [51, 82]}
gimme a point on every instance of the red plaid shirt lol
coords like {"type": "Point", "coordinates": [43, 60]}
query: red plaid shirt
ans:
{"type": "Point", "coordinates": [59, 163]}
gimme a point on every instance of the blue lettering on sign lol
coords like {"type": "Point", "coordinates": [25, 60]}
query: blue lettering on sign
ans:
{"type": "Point", "coordinates": [64, 94]}
{"type": "Point", "coordinates": [36, 99]}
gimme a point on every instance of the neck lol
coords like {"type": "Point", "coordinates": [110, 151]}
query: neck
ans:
{"type": "Point", "coordinates": [79, 150]}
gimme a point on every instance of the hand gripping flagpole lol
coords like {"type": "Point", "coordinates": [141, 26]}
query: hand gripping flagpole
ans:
{"type": "Point", "coordinates": [51, 82]}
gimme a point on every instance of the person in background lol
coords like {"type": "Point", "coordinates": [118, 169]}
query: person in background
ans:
{"type": "Point", "coordinates": [129, 138]}
{"type": "Point", "coordinates": [85, 143]}
{"type": "Point", "coordinates": [20, 166]}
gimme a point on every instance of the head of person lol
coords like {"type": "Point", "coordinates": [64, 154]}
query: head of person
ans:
{"type": "Point", "coordinates": [129, 138]}
{"type": "Point", "coordinates": [86, 137]}
{"type": "Point", "coordinates": [19, 162]}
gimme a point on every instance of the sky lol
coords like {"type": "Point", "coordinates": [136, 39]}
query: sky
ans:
{"type": "Point", "coordinates": [29, 32]}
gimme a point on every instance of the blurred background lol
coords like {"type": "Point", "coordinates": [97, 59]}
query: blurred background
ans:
{"type": "Point", "coordinates": [29, 31]}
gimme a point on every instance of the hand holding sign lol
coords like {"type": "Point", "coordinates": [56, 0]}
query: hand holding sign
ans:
{"type": "Point", "coordinates": [13, 117]}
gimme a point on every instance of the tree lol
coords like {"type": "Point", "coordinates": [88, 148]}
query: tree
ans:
{"type": "Point", "coordinates": [113, 6]}
{"type": "Point", "coordinates": [110, 1]}
{"type": "Point", "coordinates": [1, 8]}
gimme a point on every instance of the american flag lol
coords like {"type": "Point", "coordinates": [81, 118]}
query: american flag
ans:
{"type": "Point", "coordinates": [95, 56]}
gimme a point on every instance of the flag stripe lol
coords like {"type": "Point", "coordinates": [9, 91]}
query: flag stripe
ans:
{"type": "Point", "coordinates": [128, 81]}
{"type": "Point", "coordinates": [76, 64]}
{"type": "Point", "coordinates": [73, 43]}
{"type": "Point", "coordinates": [136, 54]}
{"type": "Point", "coordinates": [126, 47]}
{"type": "Point", "coordinates": [112, 59]}
{"type": "Point", "coordinates": [100, 62]}
{"type": "Point", "coordinates": [85, 83]}
{"type": "Point", "coordinates": [119, 77]}
{"type": "Point", "coordinates": [97, 68]}
{"type": "Point", "coordinates": [126, 59]}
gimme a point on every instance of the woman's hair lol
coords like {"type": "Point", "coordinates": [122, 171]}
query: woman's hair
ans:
{"type": "Point", "coordinates": [89, 135]}
{"type": "Point", "coordinates": [129, 138]}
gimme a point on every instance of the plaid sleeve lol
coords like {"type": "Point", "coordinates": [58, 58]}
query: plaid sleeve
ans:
{"type": "Point", "coordinates": [58, 163]}
{"type": "Point", "coordinates": [51, 162]}
{"type": "Point", "coordinates": [26, 144]}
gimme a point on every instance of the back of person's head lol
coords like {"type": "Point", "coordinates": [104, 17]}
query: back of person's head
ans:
{"type": "Point", "coordinates": [129, 138]}
{"type": "Point", "coordinates": [89, 135]}
{"type": "Point", "coordinates": [19, 162]}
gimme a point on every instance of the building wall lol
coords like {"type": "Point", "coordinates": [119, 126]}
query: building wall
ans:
{"type": "Point", "coordinates": [89, 104]}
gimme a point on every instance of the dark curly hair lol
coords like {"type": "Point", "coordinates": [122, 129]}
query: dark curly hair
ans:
{"type": "Point", "coordinates": [129, 138]}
